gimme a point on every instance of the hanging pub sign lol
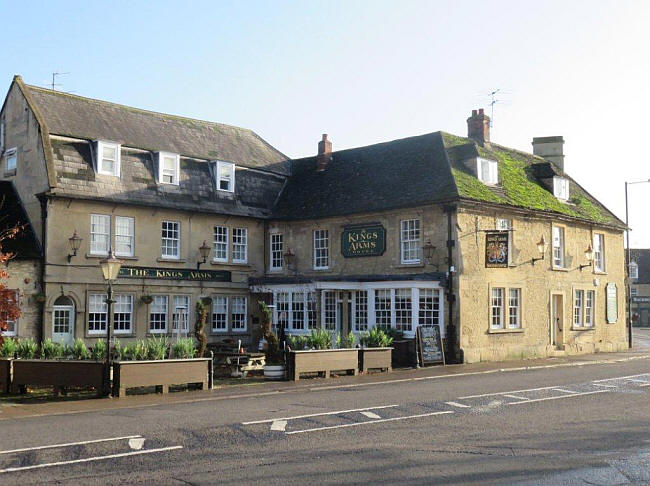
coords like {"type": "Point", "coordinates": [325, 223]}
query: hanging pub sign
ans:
{"type": "Point", "coordinates": [363, 240]}
{"type": "Point", "coordinates": [612, 303]}
{"type": "Point", "coordinates": [175, 274]}
{"type": "Point", "coordinates": [496, 249]}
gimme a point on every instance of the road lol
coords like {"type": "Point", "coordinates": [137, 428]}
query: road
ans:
{"type": "Point", "coordinates": [564, 425]}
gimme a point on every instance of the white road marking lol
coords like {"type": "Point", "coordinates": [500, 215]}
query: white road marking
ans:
{"type": "Point", "coordinates": [136, 444]}
{"type": "Point", "coordinates": [371, 415]}
{"type": "Point", "coordinates": [601, 384]}
{"type": "Point", "coordinates": [459, 405]}
{"type": "Point", "coordinates": [89, 459]}
{"type": "Point", "coordinates": [564, 391]}
{"type": "Point", "coordinates": [503, 393]}
{"type": "Point", "coordinates": [70, 444]}
{"type": "Point", "coordinates": [637, 381]}
{"type": "Point", "coordinates": [556, 398]}
{"type": "Point", "coordinates": [279, 425]}
{"type": "Point", "coordinates": [317, 414]}
{"type": "Point", "coordinates": [645, 384]}
{"type": "Point", "coordinates": [369, 422]}
{"type": "Point", "coordinates": [620, 378]}
{"type": "Point", "coordinates": [516, 397]}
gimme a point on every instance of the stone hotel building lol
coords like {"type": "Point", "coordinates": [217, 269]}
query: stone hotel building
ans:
{"type": "Point", "coordinates": [502, 249]}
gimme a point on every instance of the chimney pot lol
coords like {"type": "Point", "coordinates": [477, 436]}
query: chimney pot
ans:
{"type": "Point", "coordinates": [324, 153]}
{"type": "Point", "coordinates": [478, 127]}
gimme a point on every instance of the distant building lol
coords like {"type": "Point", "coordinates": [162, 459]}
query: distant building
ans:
{"type": "Point", "coordinates": [429, 230]}
{"type": "Point", "coordinates": [640, 286]}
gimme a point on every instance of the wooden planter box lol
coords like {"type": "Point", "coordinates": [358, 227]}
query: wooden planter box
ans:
{"type": "Point", "coordinates": [161, 374]}
{"type": "Point", "coordinates": [375, 358]}
{"type": "Point", "coordinates": [323, 361]}
{"type": "Point", "coordinates": [5, 375]}
{"type": "Point", "coordinates": [58, 373]}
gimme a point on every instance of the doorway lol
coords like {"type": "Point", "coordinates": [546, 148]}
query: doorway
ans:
{"type": "Point", "coordinates": [557, 320]}
{"type": "Point", "coordinates": [63, 317]}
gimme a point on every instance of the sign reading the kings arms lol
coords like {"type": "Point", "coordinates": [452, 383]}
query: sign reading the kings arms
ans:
{"type": "Point", "coordinates": [363, 240]}
{"type": "Point", "coordinates": [496, 249]}
{"type": "Point", "coordinates": [175, 274]}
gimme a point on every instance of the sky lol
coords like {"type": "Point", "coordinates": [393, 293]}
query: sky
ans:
{"type": "Point", "coordinates": [367, 72]}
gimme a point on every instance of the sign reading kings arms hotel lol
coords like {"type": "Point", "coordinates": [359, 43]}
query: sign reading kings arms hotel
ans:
{"type": "Point", "coordinates": [363, 240]}
{"type": "Point", "coordinates": [175, 274]}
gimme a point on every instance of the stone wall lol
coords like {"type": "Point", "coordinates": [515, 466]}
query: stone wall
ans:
{"type": "Point", "coordinates": [24, 276]}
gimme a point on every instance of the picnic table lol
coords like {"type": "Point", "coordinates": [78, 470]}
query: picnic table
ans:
{"type": "Point", "coordinates": [240, 363]}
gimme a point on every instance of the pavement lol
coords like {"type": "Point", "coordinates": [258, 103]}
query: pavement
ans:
{"type": "Point", "coordinates": [15, 410]}
{"type": "Point", "coordinates": [579, 420]}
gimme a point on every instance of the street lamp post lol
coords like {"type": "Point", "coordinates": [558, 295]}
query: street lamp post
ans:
{"type": "Point", "coordinates": [627, 265]}
{"type": "Point", "coordinates": [111, 269]}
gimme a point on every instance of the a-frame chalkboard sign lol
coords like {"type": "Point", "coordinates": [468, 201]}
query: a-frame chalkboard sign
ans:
{"type": "Point", "coordinates": [429, 345]}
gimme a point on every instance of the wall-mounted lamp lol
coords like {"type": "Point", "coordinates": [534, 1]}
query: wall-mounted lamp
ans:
{"type": "Point", "coordinates": [589, 256]}
{"type": "Point", "coordinates": [289, 257]}
{"type": "Point", "coordinates": [204, 251]}
{"type": "Point", "coordinates": [427, 251]}
{"type": "Point", "coordinates": [75, 243]}
{"type": "Point", "coordinates": [541, 248]}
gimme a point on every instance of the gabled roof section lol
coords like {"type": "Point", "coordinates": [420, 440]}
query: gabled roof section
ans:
{"type": "Point", "coordinates": [402, 173]}
{"type": "Point", "coordinates": [85, 118]}
{"type": "Point", "coordinates": [12, 213]}
{"type": "Point", "coordinates": [520, 180]}
{"type": "Point", "coordinates": [642, 257]}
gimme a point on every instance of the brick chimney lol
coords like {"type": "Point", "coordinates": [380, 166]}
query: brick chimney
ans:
{"type": "Point", "coordinates": [550, 148]}
{"type": "Point", "coordinates": [324, 153]}
{"type": "Point", "coordinates": [478, 127]}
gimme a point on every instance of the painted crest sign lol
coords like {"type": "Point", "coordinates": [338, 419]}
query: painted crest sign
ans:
{"type": "Point", "coordinates": [496, 249]}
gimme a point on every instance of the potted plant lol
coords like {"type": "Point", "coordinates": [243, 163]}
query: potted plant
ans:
{"type": "Point", "coordinates": [319, 357]}
{"type": "Point", "coordinates": [274, 363]}
{"type": "Point", "coordinates": [375, 351]}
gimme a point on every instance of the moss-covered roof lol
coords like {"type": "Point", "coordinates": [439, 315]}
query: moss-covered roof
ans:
{"type": "Point", "coordinates": [519, 184]}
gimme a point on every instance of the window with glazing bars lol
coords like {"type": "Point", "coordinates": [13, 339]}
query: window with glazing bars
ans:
{"type": "Point", "coordinates": [220, 244]}
{"type": "Point", "coordinates": [383, 308]}
{"type": "Point", "coordinates": [181, 313]}
{"type": "Point", "coordinates": [97, 313]}
{"type": "Point", "coordinates": [100, 234]}
{"type": "Point", "coordinates": [429, 310]}
{"type": "Point", "coordinates": [330, 311]}
{"type": "Point", "coordinates": [497, 308]}
{"type": "Point", "coordinates": [410, 241]}
{"type": "Point", "coordinates": [321, 249]}
{"type": "Point", "coordinates": [158, 314]}
{"type": "Point", "coordinates": [514, 308]}
{"type": "Point", "coordinates": [282, 309]}
{"type": "Point", "coordinates": [403, 306]}
{"type": "Point", "coordinates": [277, 260]}
{"type": "Point", "coordinates": [578, 302]}
{"type": "Point", "coordinates": [239, 245]}
{"type": "Point", "coordinates": [124, 235]}
{"type": "Point", "coordinates": [220, 314]}
{"type": "Point", "coordinates": [238, 319]}
{"type": "Point", "coordinates": [360, 310]}
{"type": "Point", "coordinates": [122, 314]}
{"type": "Point", "coordinates": [171, 239]}
{"type": "Point", "coordinates": [311, 310]}
{"type": "Point", "coordinates": [297, 310]}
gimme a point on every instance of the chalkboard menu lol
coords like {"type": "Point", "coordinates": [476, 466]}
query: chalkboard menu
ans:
{"type": "Point", "coordinates": [429, 343]}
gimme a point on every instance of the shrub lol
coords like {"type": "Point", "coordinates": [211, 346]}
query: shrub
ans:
{"type": "Point", "coordinates": [118, 350]}
{"type": "Point", "coordinates": [98, 351]}
{"type": "Point", "coordinates": [140, 350]}
{"type": "Point", "coordinates": [184, 348]}
{"type": "Point", "coordinates": [274, 355]}
{"type": "Point", "coordinates": [26, 348]}
{"type": "Point", "coordinates": [298, 343]}
{"type": "Point", "coordinates": [128, 352]}
{"type": "Point", "coordinates": [345, 341]}
{"type": "Point", "coordinates": [51, 350]}
{"type": "Point", "coordinates": [199, 326]}
{"type": "Point", "coordinates": [376, 338]}
{"type": "Point", "coordinates": [8, 348]}
{"type": "Point", "coordinates": [79, 349]}
{"type": "Point", "coordinates": [157, 347]}
{"type": "Point", "coordinates": [320, 339]}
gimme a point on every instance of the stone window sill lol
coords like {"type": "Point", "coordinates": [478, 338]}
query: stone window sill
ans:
{"type": "Point", "coordinates": [581, 329]}
{"type": "Point", "coordinates": [506, 331]}
{"type": "Point", "coordinates": [171, 260]}
{"type": "Point", "coordinates": [9, 173]}
{"type": "Point", "coordinates": [410, 265]}
{"type": "Point", "coordinates": [560, 269]}
{"type": "Point", "coordinates": [93, 255]}
{"type": "Point", "coordinates": [230, 264]}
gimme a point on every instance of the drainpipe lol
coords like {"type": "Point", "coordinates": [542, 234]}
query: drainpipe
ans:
{"type": "Point", "coordinates": [43, 200]}
{"type": "Point", "coordinates": [451, 297]}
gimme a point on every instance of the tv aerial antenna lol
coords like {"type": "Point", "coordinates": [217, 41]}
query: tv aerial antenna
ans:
{"type": "Point", "coordinates": [54, 84]}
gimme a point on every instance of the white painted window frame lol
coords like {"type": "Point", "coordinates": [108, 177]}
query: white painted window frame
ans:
{"type": "Point", "coordinates": [175, 315]}
{"type": "Point", "coordinates": [276, 253]}
{"type": "Point", "coordinates": [600, 264]}
{"type": "Point", "coordinates": [177, 256]}
{"type": "Point", "coordinates": [100, 158]}
{"type": "Point", "coordinates": [240, 239]}
{"type": "Point", "coordinates": [559, 243]}
{"type": "Point", "coordinates": [10, 154]}
{"type": "Point", "coordinates": [104, 310]}
{"type": "Point", "coordinates": [166, 314]}
{"type": "Point", "coordinates": [107, 236]}
{"type": "Point", "coordinates": [114, 310]}
{"type": "Point", "coordinates": [224, 301]}
{"type": "Point", "coordinates": [491, 175]}
{"type": "Point", "coordinates": [231, 169]}
{"type": "Point", "coordinates": [161, 168]}
{"type": "Point", "coordinates": [131, 235]}
{"type": "Point", "coordinates": [225, 234]}
{"type": "Point", "coordinates": [14, 323]}
{"type": "Point", "coordinates": [583, 314]}
{"type": "Point", "coordinates": [404, 226]}
{"type": "Point", "coordinates": [233, 299]}
{"type": "Point", "coordinates": [561, 188]}
{"type": "Point", "coordinates": [321, 249]}
{"type": "Point", "coordinates": [306, 301]}
{"type": "Point", "coordinates": [633, 269]}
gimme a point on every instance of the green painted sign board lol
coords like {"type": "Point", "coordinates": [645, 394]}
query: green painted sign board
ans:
{"type": "Point", "coordinates": [175, 274]}
{"type": "Point", "coordinates": [363, 241]}
{"type": "Point", "coordinates": [612, 303]}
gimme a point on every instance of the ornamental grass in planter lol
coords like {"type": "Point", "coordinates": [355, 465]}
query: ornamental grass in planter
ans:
{"type": "Point", "coordinates": [375, 351]}
{"type": "Point", "coordinates": [7, 351]}
{"type": "Point", "coordinates": [319, 357]}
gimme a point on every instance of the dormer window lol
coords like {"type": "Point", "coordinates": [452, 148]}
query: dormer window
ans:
{"type": "Point", "coordinates": [561, 188]}
{"type": "Point", "coordinates": [487, 171]}
{"type": "Point", "coordinates": [225, 176]}
{"type": "Point", "coordinates": [168, 168]}
{"type": "Point", "coordinates": [108, 158]}
{"type": "Point", "coordinates": [634, 270]}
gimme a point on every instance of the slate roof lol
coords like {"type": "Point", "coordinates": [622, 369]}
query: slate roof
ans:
{"type": "Point", "coordinates": [395, 174]}
{"type": "Point", "coordinates": [642, 257]}
{"type": "Point", "coordinates": [429, 169]}
{"type": "Point", "coordinates": [255, 191]}
{"type": "Point", "coordinates": [90, 119]}
{"type": "Point", "coordinates": [12, 213]}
